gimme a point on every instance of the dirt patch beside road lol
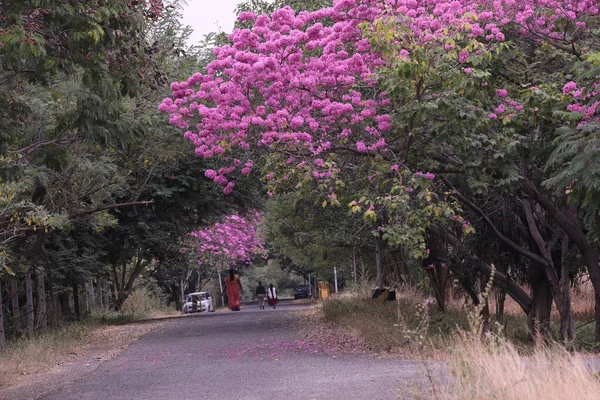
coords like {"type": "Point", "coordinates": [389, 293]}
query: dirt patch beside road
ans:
{"type": "Point", "coordinates": [23, 375]}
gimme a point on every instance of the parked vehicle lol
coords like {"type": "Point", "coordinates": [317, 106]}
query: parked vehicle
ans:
{"type": "Point", "coordinates": [301, 292]}
{"type": "Point", "coordinates": [198, 302]}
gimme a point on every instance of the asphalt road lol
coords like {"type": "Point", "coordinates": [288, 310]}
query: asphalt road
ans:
{"type": "Point", "coordinates": [251, 354]}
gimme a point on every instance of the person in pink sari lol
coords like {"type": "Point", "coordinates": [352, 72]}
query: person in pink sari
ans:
{"type": "Point", "coordinates": [233, 288]}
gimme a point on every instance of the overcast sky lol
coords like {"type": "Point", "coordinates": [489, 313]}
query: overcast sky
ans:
{"type": "Point", "coordinates": [205, 16]}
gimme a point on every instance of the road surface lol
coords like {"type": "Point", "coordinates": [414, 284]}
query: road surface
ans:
{"type": "Point", "coordinates": [251, 354]}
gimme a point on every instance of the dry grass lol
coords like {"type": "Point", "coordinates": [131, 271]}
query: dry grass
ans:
{"type": "Point", "coordinates": [497, 370]}
{"type": "Point", "coordinates": [495, 367]}
{"type": "Point", "coordinates": [392, 328]}
{"type": "Point", "coordinates": [34, 355]}
{"type": "Point", "coordinates": [27, 356]}
{"type": "Point", "coordinates": [23, 359]}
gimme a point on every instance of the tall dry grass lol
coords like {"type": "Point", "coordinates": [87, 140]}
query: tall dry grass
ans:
{"type": "Point", "coordinates": [496, 370]}
{"type": "Point", "coordinates": [31, 355]}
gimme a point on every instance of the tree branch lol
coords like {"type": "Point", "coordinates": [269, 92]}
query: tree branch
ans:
{"type": "Point", "coordinates": [112, 207]}
{"type": "Point", "coordinates": [532, 256]}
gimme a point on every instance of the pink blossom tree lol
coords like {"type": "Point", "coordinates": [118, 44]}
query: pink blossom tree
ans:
{"type": "Point", "coordinates": [381, 89]}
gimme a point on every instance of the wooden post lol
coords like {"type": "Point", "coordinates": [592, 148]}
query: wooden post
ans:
{"type": "Point", "coordinates": [14, 299]}
{"type": "Point", "coordinates": [2, 335]}
{"type": "Point", "coordinates": [41, 297]}
{"type": "Point", "coordinates": [29, 305]}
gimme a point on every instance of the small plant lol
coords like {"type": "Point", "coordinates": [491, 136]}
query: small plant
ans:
{"type": "Point", "coordinates": [475, 316]}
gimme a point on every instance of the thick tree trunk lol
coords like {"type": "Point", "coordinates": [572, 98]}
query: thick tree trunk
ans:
{"type": "Point", "coordinates": [538, 319]}
{"type": "Point", "coordinates": [29, 304]}
{"type": "Point", "coordinates": [379, 277]}
{"type": "Point", "coordinates": [560, 291]}
{"type": "Point", "coordinates": [2, 335]}
{"type": "Point", "coordinates": [570, 225]}
{"type": "Point", "coordinates": [76, 305]}
{"type": "Point", "coordinates": [65, 305]}
{"type": "Point", "coordinates": [14, 299]}
{"type": "Point", "coordinates": [41, 298]}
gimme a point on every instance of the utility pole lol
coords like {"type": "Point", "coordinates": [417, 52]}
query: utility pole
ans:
{"type": "Point", "coordinates": [221, 286]}
{"type": "Point", "coordinates": [335, 278]}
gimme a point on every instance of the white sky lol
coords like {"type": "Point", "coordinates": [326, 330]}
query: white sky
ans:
{"type": "Point", "coordinates": [205, 16]}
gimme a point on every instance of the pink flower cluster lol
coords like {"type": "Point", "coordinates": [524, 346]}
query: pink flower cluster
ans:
{"type": "Point", "coordinates": [296, 82]}
{"type": "Point", "coordinates": [289, 83]}
{"type": "Point", "coordinates": [581, 101]}
{"type": "Point", "coordinates": [427, 175]}
{"type": "Point", "coordinates": [234, 239]}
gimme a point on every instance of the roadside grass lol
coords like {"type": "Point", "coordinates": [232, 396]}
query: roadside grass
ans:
{"type": "Point", "coordinates": [388, 325]}
{"type": "Point", "coordinates": [31, 355]}
{"type": "Point", "coordinates": [47, 349]}
{"type": "Point", "coordinates": [496, 369]}
{"type": "Point", "coordinates": [391, 326]}
{"type": "Point", "coordinates": [501, 364]}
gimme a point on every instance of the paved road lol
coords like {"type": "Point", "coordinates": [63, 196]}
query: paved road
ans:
{"type": "Point", "coordinates": [251, 354]}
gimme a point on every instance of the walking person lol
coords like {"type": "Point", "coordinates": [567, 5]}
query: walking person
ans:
{"type": "Point", "coordinates": [260, 295]}
{"type": "Point", "coordinates": [233, 288]}
{"type": "Point", "coordinates": [272, 295]}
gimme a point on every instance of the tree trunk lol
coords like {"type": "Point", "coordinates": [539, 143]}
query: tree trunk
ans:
{"type": "Point", "coordinates": [538, 319]}
{"type": "Point", "coordinates": [100, 296]}
{"type": "Point", "coordinates": [354, 269]}
{"type": "Point", "coordinates": [14, 299]}
{"type": "Point", "coordinates": [127, 288]}
{"type": "Point", "coordinates": [65, 306]}
{"type": "Point", "coordinates": [570, 225]}
{"type": "Point", "coordinates": [500, 300]}
{"type": "Point", "coordinates": [53, 299]}
{"type": "Point", "coordinates": [41, 297]}
{"type": "Point", "coordinates": [92, 295]}
{"type": "Point", "coordinates": [104, 291]}
{"type": "Point", "coordinates": [86, 298]}
{"type": "Point", "coordinates": [485, 311]}
{"type": "Point", "coordinates": [560, 292]}
{"type": "Point", "coordinates": [29, 305]}
{"type": "Point", "coordinates": [567, 325]}
{"type": "Point", "coordinates": [379, 278]}
{"type": "Point", "coordinates": [2, 335]}
{"type": "Point", "coordinates": [76, 306]}
{"type": "Point", "coordinates": [500, 279]}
